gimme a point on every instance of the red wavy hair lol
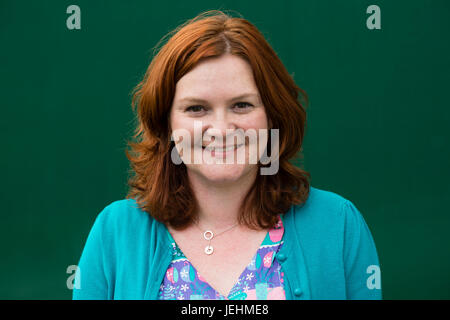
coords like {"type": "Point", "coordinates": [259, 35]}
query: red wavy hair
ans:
{"type": "Point", "coordinates": [160, 187]}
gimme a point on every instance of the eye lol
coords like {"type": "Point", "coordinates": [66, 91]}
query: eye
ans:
{"type": "Point", "coordinates": [194, 109]}
{"type": "Point", "coordinates": [243, 105]}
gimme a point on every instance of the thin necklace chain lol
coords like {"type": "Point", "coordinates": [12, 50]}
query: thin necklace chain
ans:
{"type": "Point", "coordinates": [216, 235]}
{"type": "Point", "coordinates": [208, 235]}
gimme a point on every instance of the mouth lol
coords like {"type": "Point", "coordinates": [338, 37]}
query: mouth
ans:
{"type": "Point", "coordinates": [221, 151]}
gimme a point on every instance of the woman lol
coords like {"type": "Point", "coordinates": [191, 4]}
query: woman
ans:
{"type": "Point", "coordinates": [214, 228]}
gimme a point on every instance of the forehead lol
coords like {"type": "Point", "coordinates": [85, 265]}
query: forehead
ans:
{"type": "Point", "coordinates": [224, 77]}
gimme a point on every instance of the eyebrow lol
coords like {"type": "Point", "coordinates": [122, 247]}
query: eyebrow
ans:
{"type": "Point", "coordinates": [199, 100]}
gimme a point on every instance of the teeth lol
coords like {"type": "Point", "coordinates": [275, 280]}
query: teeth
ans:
{"type": "Point", "coordinates": [217, 149]}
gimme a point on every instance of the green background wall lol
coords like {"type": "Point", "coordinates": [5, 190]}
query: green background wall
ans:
{"type": "Point", "coordinates": [377, 129]}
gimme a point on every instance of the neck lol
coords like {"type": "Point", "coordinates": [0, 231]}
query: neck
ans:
{"type": "Point", "coordinates": [219, 203]}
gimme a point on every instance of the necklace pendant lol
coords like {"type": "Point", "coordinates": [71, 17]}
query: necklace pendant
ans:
{"type": "Point", "coordinates": [209, 249]}
{"type": "Point", "coordinates": [208, 235]}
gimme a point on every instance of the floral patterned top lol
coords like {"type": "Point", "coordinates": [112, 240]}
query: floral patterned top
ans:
{"type": "Point", "coordinates": [262, 279]}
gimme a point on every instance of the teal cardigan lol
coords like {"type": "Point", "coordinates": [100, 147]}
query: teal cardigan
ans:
{"type": "Point", "coordinates": [328, 253]}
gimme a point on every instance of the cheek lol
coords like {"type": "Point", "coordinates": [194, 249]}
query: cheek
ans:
{"type": "Point", "coordinates": [256, 124]}
{"type": "Point", "coordinates": [257, 145]}
{"type": "Point", "coordinates": [256, 120]}
{"type": "Point", "coordinates": [177, 122]}
{"type": "Point", "coordinates": [182, 133]}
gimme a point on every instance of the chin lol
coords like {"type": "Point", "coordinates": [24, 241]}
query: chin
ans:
{"type": "Point", "coordinates": [222, 173]}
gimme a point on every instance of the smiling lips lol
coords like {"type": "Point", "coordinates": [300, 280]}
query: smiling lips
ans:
{"type": "Point", "coordinates": [221, 149]}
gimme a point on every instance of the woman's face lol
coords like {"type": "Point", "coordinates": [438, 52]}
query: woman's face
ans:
{"type": "Point", "coordinates": [217, 100]}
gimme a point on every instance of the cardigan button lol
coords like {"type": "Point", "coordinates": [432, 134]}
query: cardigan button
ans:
{"type": "Point", "coordinates": [282, 257]}
{"type": "Point", "coordinates": [298, 292]}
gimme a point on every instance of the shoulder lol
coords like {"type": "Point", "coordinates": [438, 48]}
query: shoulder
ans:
{"type": "Point", "coordinates": [321, 204]}
{"type": "Point", "coordinates": [125, 210]}
{"type": "Point", "coordinates": [324, 199]}
{"type": "Point", "coordinates": [123, 218]}
{"type": "Point", "coordinates": [324, 212]}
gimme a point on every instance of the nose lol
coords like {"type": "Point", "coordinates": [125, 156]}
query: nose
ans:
{"type": "Point", "coordinates": [218, 127]}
